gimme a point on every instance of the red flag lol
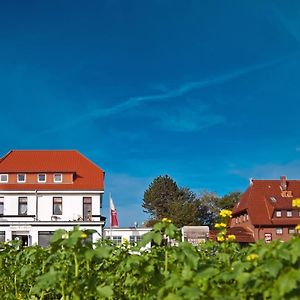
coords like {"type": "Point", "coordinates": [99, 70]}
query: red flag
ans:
{"type": "Point", "coordinates": [113, 214]}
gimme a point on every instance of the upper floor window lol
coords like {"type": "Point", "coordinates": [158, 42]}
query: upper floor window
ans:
{"type": "Point", "coordinates": [278, 213]}
{"type": "Point", "coordinates": [289, 213]}
{"type": "Point", "coordinates": [22, 208]}
{"type": "Point", "coordinates": [57, 177]}
{"type": "Point", "coordinates": [1, 206]}
{"type": "Point", "coordinates": [41, 177]}
{"type": "Point", "coordinates": [57, 205]}
{"type": "Point", "coordinates": [3, 177]}
{"type": "Point", "coordinates": [87, 208]}
{"type": "Point", "coordinates": [21, 178]}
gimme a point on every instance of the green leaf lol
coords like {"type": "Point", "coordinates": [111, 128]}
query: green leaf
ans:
{"type": "Point", "coordinates": [105, 291]}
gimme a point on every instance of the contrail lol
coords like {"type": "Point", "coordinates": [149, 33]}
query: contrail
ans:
{"type": "Point", "coordinates": [181, 90]}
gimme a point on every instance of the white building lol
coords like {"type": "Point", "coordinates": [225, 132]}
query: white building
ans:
{"type": "Point", "coordinates": [44, 190]}
{"type": "Point", "coordinates": [126, 234]}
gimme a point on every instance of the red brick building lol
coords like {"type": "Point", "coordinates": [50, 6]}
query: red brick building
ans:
{"type": "Point", "coordinates": [266, 209]}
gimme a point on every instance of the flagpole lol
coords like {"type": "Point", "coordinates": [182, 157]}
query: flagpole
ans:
{"type": "Point", "coordinates": [110, 216]}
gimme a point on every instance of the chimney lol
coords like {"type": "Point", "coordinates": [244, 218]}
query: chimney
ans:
{"type": "Point", "coordinates": [283, 184]}
{"type": "Point", "coordinates": [251, 181]}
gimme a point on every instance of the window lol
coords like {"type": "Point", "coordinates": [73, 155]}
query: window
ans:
{"type": "Point", "coordinates": [117, 239]}
{"type": "Point", "coordinates": [3, 177]}
{"type": "Point", "coordinates": [57, 177]}
{"type": "Point", "coordinates": [292, 230]}
{"type": "Point", "coordinates": [1, 206]}
{"type": "Point", "coordinates": [44, 238]}
{"type": "Point", "coordinates": [87, 208]}
{"type": "Point", "coordinates": [22, 209]}
{"type": "Point", "coordinates": [278, 213]}
{"type": "Point", "coordinates": [134, 239]}
{"type": "Point", "coordinates": [289, 213]}
{"type": "Point", "coordinates": [279, 230]}
{"type": "Point", "coordinates": [57, 205]}
{"type": "Point", "coordinates": [41, 177]}
{"type": "Point", "coordinates": [2, 236]}
{"type": "Point", "coordinates": [21, 178]}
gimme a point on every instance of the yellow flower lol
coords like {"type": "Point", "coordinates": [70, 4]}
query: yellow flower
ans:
{"type": "Point", "coordinates": [220, 238]}
{"type": "Point", "coordinates": [225, 213]}
{"type": "Point", "coordinates": [166, 220]}
{"type": "Point", "coordinates": [297, 227]}
{"type": "Point", "coordinates": [252, 257]}
{"type": "Point", "coordinates": [296, 202]}
{"type": "Point", "coordinates": [230, 237]}
{"type": "Point", "coordinates": [83, 235]}
{"type": "Point", "coordinates": [220, 225]}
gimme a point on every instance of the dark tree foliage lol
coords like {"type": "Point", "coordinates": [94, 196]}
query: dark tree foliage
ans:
{"type": "Point", "coordinates": [229, 200]}
{"type": "Point", "coordinates": [164, 199]}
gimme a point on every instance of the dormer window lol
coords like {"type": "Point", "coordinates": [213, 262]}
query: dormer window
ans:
{"type": "Point", "coordinates": [41, 177]}
{"type": "Point", "coordinates": [289, 213]}
{"type": "Point", "coordinates": [57, 177]}
{"type": "Point", "coordinates": [278, 213]}
{"type": "Point", "coordinates": [3, 178]}
{"type": "Point", "coordinates": [21, 178]}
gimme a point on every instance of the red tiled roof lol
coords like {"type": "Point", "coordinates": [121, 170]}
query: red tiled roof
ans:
{"type": "Point", "coordinates": [88, 176]}
{"type": "Point", "coordinates": [264, 196]}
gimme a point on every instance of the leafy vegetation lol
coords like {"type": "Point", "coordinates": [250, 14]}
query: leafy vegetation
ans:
{"type": "Point", "coordinates": [74, 268]}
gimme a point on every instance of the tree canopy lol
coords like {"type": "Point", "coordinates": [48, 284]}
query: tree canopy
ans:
{"type": "Point", "coordinates": [165, 199]}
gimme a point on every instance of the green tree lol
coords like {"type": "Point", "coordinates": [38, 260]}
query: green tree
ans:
{"type": "Point", "coordinates": [210, 204]}
{"type": "Point", "coordinates": [208, 209]}
{"type": "Point", "coordinates": [228, 201]}
{"type": "Point", "coordinates": [164, 199]}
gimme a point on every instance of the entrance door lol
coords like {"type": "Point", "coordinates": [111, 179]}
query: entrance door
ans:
{"type": "Point", "coordinates": [22, 238]}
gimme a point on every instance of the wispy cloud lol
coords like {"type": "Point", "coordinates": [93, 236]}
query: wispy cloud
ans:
{"type": "Point", "coordinates": [176, 92]}
{"type": "Point", "coordinates": [290, 24]}
{"type": "Point", "coordinates": [189, 118]}
{"type": "Point", "coordinates": [270, 171]}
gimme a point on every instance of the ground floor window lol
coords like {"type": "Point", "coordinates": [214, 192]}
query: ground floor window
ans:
{"type": "Point", "coordinates": [279, 230]}
{"type": "Point", "coordinates": [44, 238]}
{"type": "Point", "coordinates": [2, 236]}
{"type": "Point", "coordinates": [117, 239]}
{"type": "Point", "coordinates": [292, 230]}
{"type": "Point", "coordinates": [134, 239]}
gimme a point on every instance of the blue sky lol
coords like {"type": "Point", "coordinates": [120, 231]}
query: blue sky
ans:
{"type": "Point", "coordinates": [204, 91]}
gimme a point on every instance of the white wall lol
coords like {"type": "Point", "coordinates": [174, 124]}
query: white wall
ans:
{"type": "Point", "coordinates": [33, 231]}
{"type": "Point", "coordinates": [125, 233]}
{"type": "Point", "coordinates": [72, 205]}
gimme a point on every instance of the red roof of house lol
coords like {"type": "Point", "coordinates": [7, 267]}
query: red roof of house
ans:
{"type": "Point", "coordinates": [87, 175]}
{"type": "Point", "coordinates": [263, 197]}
